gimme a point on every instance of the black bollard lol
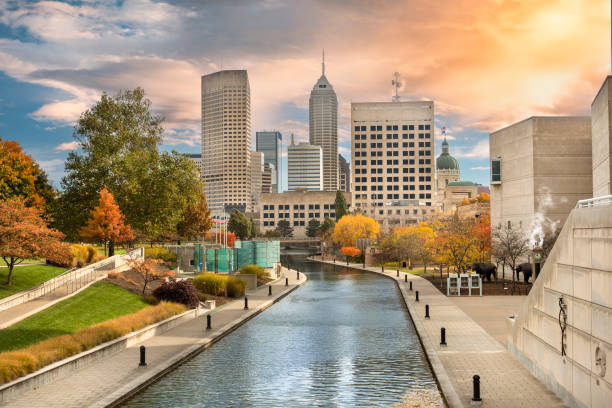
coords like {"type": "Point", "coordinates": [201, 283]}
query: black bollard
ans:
{"type": "Point", "coordinates": [347, 261]}
{"type": "Point", "coordinates": [334, 260]}
{"type": "Point", "coordinates": [410, 282]}
{"type": "Point", "coordinates": [443, 336]}
{"type": "Point", "coordinates": [405, 278]}
{"type": "Point", "coordinates": [382, 267]}
{"type": "Point", "coordinates": [397, 273]}
{"type": "Point", "coordinates": [476, 388]}
{"type": "Point", "coordinates": [208, 320]}
{"type": "Point", "coordinates": [286, 281]}
{"type": "Point", "coordinates": [427, 311]}
{"type": "Point", "coordinates": [269, 290]}
{"type": "Point", "coordinates": [142, 356]}
{"type": "Point", "coordinates": [417, 295]}
{"type": "Point", "coordinates": [246, 303]}
{"type": "Point", "coordinates": [298, 275]}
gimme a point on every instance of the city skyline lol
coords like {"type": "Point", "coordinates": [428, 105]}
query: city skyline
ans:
{"type": "Point", "coordinates": [462, 58]}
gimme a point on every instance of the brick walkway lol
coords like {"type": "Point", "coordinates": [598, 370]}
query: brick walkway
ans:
{"type": "Point", "coordinates": [104, 382]}
{"type": "Point", "coordinates": [470, 350]}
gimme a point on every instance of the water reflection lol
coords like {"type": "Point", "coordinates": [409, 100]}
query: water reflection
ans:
{"type": "Point", "coordinates": [341, 340]}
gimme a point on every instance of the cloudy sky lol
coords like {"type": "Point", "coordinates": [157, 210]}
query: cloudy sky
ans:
{"type": "Point", "coordinates": [486, 63]}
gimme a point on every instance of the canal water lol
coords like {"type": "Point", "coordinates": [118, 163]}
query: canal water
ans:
{"type": "Point", "coordinates": [342, 340]}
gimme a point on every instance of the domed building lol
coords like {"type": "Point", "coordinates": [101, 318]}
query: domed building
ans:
{"type": "Point", "coordinates": [447, 168]}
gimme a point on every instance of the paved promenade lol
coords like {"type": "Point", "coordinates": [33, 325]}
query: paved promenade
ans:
{"type": "Point", "coordinates": [470, 350]}
{"type": "Point", "coordinates": [105, 382]}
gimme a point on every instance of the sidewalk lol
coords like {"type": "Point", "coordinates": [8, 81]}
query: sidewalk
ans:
{"type": "Point", "coordinates": [105, 382]}
{"type": "Point", "coordinates": [470, 350]}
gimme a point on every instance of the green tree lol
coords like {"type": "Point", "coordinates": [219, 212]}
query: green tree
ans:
{"type": "Point", "coordinates": [252, 229]}
{"type": "Point", "coordinates": [240, 225]}
{"type": "Point", "coordinates": [196, 219]}
{"type": "Point", "coordinates": [119, 139]}
{"type": "Point", "coordinates": [284, 229]}
{"type": "Point", "coordinates": [341, 205]}
{"type": "Point", "coordinates": [313, 227]}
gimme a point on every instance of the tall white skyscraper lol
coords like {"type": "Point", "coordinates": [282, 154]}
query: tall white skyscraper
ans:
{"type": "Point", "coordinates": [226, 140]}
{"type": "Point", "coordinates": [304, 167]}
{"type": "Point", "coordinates": [323, 113]}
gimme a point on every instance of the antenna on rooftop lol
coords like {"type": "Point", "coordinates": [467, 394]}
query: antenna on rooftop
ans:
{"type": "Point", "coordinates": [397, 84]}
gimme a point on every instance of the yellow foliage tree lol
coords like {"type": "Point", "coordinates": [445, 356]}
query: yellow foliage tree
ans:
{"type": "Point", "coordinates": [352, 227]}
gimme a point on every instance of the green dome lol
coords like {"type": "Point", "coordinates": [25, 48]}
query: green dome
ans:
{"type": "Point", "coordinates": [445, 161]}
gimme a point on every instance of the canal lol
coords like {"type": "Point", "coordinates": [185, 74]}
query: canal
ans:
{"type": "Point", "coordinates": [342, 340]}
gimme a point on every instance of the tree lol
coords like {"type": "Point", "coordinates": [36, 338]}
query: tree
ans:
{"type": "Point", "coordinates": [148, 272]}
{"type": "Point", "coordinates": [21, 177]}
{"type": "Point", "coordinates": [106, 224]}
{"type": "Point", "coordinates": [284, 229]}
{"type": "Point", "coordinates": [340, 205]}
{"type": "Point", "coordinates": [456, 243]}
{"type": "Point", "coordinates": [313, 228]}
{"type": "Point", "coordinates": [119, 139]}
{"type": "Point", "coordinates": [25, 234]}
{"type": "Point", "coordinates": [240, 225]}
{"type": "Point", "coordinates": [196, 220]}
{"type": "Point", "coordinates": [482, 233]}
{"type": "Point", "coordinates": [350, 252]}
{"type": "Point", "coordinates": [510, 245]}
{"type": "Point", "coordinates": [351, 227]}
{"type": "Point", "coordinates": [252, 228]}
{"type": "Point", "coordinates": [327, 229]}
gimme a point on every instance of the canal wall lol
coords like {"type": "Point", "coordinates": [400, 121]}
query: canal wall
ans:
{"type": "Point", "coordinates": [75, 382]}
{"type": "Point", "coordinates": [468, 350]}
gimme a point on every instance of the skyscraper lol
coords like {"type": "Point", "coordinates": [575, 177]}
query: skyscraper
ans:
{"type": "Point", "coordinates": [344, 174]}
{"type": "Point", "coordinates": [257, 169]}
{"type": "Point", "coordinates": [226, 140]}
{"type": "Point", "coordinates": [323, 119]}
{"type": "Point", "coordinates": [304, 167]}
{"type": "Point", "coordinates": [270, 143]}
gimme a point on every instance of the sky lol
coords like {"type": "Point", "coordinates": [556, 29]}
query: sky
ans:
{"type": "Point", "coordinates": [485, 63]}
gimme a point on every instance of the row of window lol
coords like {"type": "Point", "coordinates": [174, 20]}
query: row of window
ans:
{"type": "Point", "coordinates": [300, 206]}
{"type": "Point", "coordinates": [393, 197]}
{"type": "Point", "coordinates": [362, 128]}
{"type": "Point", "coordinates": [392, 136]}
{"type": "Point", "coordinates": [300, 215]}
{"type": "Point", "coordinates": [389, 163]}
{"type": "Point", "coordinates": [394, 187]}
{"type": "Point", "coordinates": [392, 179]}
{"type": "Point", "coordinates": [394, 153]}
{"type": "Point", "coordinates": [390, 145]}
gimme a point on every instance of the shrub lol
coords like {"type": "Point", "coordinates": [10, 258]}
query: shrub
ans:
{"type": "Point", "coordinates": [92, 253]}
{"type": "Point", "coordinates": [17, 363]}
{"type": "Point", "coordinates": [161, 254]}
{"type": "Point", "coordinates": [254, 270]}
{"type": "Point", "coordinates": [235, 287]}
{"type": "Point", "coordinates": [178, 292]}
{"type": "Point", "coordinates": [79, 255]}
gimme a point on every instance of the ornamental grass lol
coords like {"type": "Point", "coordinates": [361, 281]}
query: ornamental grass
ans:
{"type": "Point", "coordinates": [17, 363]}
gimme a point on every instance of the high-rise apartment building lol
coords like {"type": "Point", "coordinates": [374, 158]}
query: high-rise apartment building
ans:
{"type": "Point", "coordinates": [257, 169]}
{"type": "Point", "coordinates": [266, 179]}
{"type": "Point", "coordinates": [226, 140]}
{"type": "Point", "coordinates": [270, 144]}
{"type": "Point", "coordinates": [304, 167]}
{"type": "Point", "coordinates": [344, 174]}
{"type": "Point", "coordinates": [323, 126]}
{"type": "Point", "coordinates": [393, 156]}
{"type": "Point", "coordinates": [196, 158]}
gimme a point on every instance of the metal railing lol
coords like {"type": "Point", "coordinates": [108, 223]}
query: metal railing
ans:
{"type": "Point", "coordinates": [594, 202]}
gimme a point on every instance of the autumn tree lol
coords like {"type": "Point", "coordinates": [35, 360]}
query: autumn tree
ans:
{"type": "Point", "coordinates": [284, 229]}
{"type": "Point", "coordinates": [482, 234]}
{"type": "Point", "coordinates": [313, 228]}
{"type": "Point", "coordinates": [352, 227]}
{"type": "Point", "coordinates": [455, 242]}
{"type": "Point", "coordinates": [24, 234]}
{"type": "Point", "coordinates": [240, 225]}
{"type": "Point", "coordinates": [196, 220]}
{"type": "Point", "coordinates": [21, 177]}
{"type": "Point", "coordinates": [118, 148]}
{"type": "Point", "coordinates": [510, 245]}
{"type": "Point", "coordinates": [149, 271]}
{"type": "Point", "coordinates": [327, 229]}
{"type": "Point", "coordinates": [340, 204]}
{"type": "Point", "coordinates": [106, 224]}
{"type": "Point", "coordinates": [350, 252]}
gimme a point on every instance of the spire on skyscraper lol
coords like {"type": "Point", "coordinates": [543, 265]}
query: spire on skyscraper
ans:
{"type": "Point", "coordinates": [323, 63]}
{"type": "Point", "coordinates": [292, 141]}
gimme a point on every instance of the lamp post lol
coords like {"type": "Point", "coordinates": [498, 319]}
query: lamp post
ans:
{"type": "Point", "coordinates": [537, 261]}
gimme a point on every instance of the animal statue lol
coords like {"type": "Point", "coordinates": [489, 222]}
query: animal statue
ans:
{"type": "Point", "coordinates": [485, 269]}
{"type": "Point", "coordinates": [526, 269]}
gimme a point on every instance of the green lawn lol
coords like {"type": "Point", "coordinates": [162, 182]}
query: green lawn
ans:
{"type": "Point", "coordinates": [26, 277]}
{"type": "Point", "coordinates": [25, 261]}
{"type": "Point", "coordinates": [100, 302]}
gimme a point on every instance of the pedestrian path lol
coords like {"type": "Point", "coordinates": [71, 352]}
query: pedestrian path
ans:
{"type": "Point", "coordinates": [470, 350]}
{"type": "Point", "coordinates": [107, 381]}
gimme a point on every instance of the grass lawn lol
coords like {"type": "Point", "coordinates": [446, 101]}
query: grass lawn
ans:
{"type": "Point", "coordinates": [26, 277]}
{"type": "Point", "coordinates": [100, 302]}
{"type": "Point", "coordinates": [25, 261]}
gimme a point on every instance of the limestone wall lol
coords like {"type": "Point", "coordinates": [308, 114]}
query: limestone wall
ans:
{"type": "Point", "coordinates": [601, 119]}
{"type": "Point", "coordinates": [578, 269]}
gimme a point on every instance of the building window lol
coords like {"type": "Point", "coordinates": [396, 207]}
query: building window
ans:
{"type": "Point", "coordinates": [496, 171]}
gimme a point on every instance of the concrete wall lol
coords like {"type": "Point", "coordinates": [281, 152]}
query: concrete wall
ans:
{"type": "Point", "coordinates": [601, 121]}
{"type": "Point", "coordinates": [579, 269]}
{"type": "Point", "coordinates": [546, 168]}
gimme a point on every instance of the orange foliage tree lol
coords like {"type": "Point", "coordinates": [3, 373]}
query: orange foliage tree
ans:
{"type": "Point", "coordinates": [482, 234]}
{"type": "Point", "coordinates": [456, 242]}
{"type": "Point", "coordinates": [149, 272]}
{"type": "Point", "coordinates": [350, 252]}
{"type": "Point", "coordinates": [220, 237]}
{"type": "Point", "coordinates": [25, 234]}
{"type": "Point", "coordinates": [106, 224]}
{"type": "Point", "coordinates": [352, 227]}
